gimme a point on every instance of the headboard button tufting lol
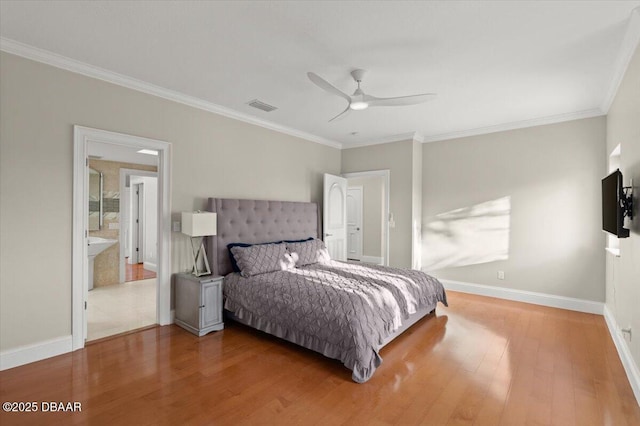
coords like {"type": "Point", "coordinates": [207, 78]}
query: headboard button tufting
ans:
{"type": "Point", "coordinates": [258, 221]}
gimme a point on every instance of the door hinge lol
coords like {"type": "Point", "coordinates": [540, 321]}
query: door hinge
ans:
{"type": "Point", "coordinates": [137, 249]}
{"type": "Point", "coordinates": [85, 305]}
{"type": "Point", "coordinates": [87, 161]}
{"type": "Point", "coordinates": [137, 221]}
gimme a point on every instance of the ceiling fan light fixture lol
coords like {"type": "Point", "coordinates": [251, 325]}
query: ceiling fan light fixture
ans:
{"type": "Point", "coordinates": [360, 100]}
{"type": "Point", "coordinates": [358, 105]}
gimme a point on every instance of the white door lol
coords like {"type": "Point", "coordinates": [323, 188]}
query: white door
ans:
{"type": "Point", "coordinates": [354, 222]}
{"type": "Point", "coordinates": [335, 216]}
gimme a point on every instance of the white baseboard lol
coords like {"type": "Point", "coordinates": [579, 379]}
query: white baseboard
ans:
{"type": "Point", "coordinates": [150, 266]}
{"type": "Point", "coordinates": [35, 352]}
{"type": "Point", "coordinates": [551, 300]}
{"type": "Point", "coordinates": [38, 351]}
{"type": "Point", "coordinates": [630, 366]}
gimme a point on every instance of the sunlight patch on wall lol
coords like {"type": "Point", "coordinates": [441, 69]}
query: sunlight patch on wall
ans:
{"type": "Point", "coordinates": [468, 236]}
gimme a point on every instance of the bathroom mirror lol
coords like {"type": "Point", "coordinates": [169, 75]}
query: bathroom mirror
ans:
{"type": "Point", "coordinates": [95, 200]}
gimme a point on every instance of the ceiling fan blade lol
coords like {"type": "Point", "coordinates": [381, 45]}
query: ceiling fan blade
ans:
{"type": "Point", "coordinates": [341, 115]}
{"type": "Point", "coordinates": [400, 100]}
{"type": "Point", "coordinates": [325, 85]}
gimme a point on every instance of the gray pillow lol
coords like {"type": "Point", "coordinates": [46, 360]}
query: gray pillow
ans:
{"type": "Point", "coordinates": [308, 252]}
{"type": "Point", "coordinates": [258, 259]}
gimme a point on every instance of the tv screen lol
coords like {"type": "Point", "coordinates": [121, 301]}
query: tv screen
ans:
{"type": "Point", "coordinates": [612, 211]}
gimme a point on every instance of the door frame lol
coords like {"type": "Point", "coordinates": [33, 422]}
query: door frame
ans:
{"type": "Point", "coordinates": [139, 231]}
{"type": "Point", "coordinates": [82, 136]}
{"type": "Point", "coordinates": [125, 174]}
{"type": "Point", "coordinates": [386, 175]}
{"type": "Point", "coordinates": [361, 219]}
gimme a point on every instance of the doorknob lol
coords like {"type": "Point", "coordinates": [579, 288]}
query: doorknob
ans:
{"type": "Point", "coordinates": [328, 235]}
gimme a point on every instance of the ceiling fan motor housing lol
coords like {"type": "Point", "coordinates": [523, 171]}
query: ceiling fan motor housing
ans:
{"type": "Point", "coordinates": [358, 75]}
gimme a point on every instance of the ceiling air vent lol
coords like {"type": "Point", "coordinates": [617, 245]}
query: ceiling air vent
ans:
{"type": "Point", "coordinates": [261, 105]}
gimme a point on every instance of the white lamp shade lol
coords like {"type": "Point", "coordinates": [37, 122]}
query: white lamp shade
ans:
{"type": "Point", "coordinates": [199, 224]}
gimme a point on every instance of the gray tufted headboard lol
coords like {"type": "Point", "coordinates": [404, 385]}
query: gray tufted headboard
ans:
{"type": "Point", "coordinates": [257, 221]}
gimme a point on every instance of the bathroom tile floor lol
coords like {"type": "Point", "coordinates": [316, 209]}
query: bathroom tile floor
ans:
{"type": "Point", "coordinates": [118, 308]}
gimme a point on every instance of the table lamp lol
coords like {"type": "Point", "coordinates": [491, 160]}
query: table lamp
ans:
{"type": "Point", "coordinates": [199, 225]}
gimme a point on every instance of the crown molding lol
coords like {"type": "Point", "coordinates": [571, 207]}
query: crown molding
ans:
{"type": "Point", "coordinates": [631, 40]}
{"type": "Point", "coordinates": [65, 63]}
{"type": "Point", "coordinates": [514, 125]}
{"type": "Point", "coordinates": [596, 112]}
{"type": "Point", "coordinates": [628, 48]}
{"type": "Point", "coordinates": [413, 136]}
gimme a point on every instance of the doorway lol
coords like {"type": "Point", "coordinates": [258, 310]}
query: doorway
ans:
{"type": "Point", "coordinates": [138, 240]}
{"type": "Point", "coordinates": [368, 216]}
{"type": "Point", "coordinates": [85, 139]}
{"type": "Point", "coordinates": [114, 304]}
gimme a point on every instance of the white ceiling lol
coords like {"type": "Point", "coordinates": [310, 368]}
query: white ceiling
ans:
{"type": "Point", "coordinates": [493, 64]}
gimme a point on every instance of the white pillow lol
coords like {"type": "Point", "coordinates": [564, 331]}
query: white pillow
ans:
{"type": "Point", "coordinates": [308, 252]}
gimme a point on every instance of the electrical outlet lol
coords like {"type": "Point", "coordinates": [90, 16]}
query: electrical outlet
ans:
{"type": "Point", "coordinates": [501, 275]}
{"type": "Point", "coordinates": [176, 226]}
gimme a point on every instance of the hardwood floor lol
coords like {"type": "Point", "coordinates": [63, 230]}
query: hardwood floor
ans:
{"type": "Point", "coordinates": [136, 272]}
{"type": "Point", "coordinates": [481, 361]}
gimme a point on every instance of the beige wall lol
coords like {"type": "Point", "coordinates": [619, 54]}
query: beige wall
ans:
{"type": "Point", "coordinates": [212, 156]}
{"type": "Point", "coordinates": [106, 269]}
{"type": "Point", "coordinates": [623, 273]}
{"type": "Point", "coordinates": [397, 158]}
{"type": "Point", "coordinates": [372, 211]}
{"type": "Point", "coordinates": [551, 175]}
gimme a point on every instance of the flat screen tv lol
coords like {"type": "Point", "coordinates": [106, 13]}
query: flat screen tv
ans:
{"type": "Point", "coordinates": [613, 205]}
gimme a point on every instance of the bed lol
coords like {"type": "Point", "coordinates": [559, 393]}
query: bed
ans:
{"type": "Point", "coordinates": [344, 310]}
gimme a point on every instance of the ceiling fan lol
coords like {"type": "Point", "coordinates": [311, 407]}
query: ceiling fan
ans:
{"type": "Point", "coordinates": [360, 100]}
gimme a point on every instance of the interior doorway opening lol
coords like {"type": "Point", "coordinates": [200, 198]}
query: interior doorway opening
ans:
{"type": "Point", "coordinates": [122, 294]}
{"type": "Point", "coordinates": [117, 157]}
{"type": "Point", "coordinates": [368, 216]}
{"type": "Point", "coordinates": [138, 239]}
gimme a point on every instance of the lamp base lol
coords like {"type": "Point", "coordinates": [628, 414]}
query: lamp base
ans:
{"type": "Point", "coordinates": [199, 254]}
{"type": "Point", "coordinates": [201, 273]}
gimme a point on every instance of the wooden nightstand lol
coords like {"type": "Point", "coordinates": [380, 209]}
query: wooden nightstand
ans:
{"type": "Point", "coordinates": [199, 303]}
